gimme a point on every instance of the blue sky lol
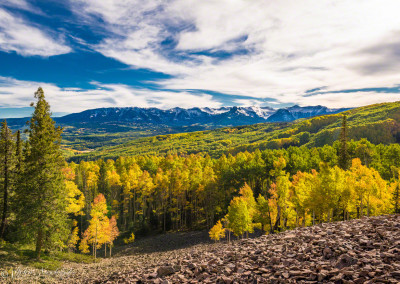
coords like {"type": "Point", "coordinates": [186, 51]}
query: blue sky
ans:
{"type": "Point", "coordinates": [189, 53]}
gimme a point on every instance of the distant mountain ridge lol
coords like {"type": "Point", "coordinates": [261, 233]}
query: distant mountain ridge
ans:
{"type": "Point", "coordinates": [378, 123]}
{"type": "Point", "coordinates": [224, 116]}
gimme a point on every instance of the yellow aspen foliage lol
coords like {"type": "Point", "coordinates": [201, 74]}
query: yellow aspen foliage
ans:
{"type": "Point", "coordinates": [112, 233]}
{"type": "Point", "coordinates": [262, 214]}
{"type": "Point", "coordinates": [75, 199]}
{"type": "Point", "coordinates": [217, 232]}
{"type": "Point", "coordinates": [99, 224]}
{"type": "Point", "coordinates": [84, 244]}
{"type": "Point", "coordinates": [129, 240]}
{"type": "Point", "coordinates": [370, 190]}
{"type": "Point", "coordinates": [114, 208]}
{"type": "Point", "coordinates": [74, 237]}
{"type": "Point", "coordinates": [238, 217]}
{"type": "Point", "coordinates": [113, 229]}
{"type": "Point", "coordinates": [247, 195]}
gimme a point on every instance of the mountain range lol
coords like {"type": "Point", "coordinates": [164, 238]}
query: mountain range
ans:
{"type": "Point", "coordinates": [224, 116]}
{"type": "Point", "coordinates": [379, 123]}
{"type": "Point", "coordinates": [100, 127]}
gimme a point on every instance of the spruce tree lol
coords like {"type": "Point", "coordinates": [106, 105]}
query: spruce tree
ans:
{"type": "Point", "coordinates": [42, 215]}
{"type": "Point", "coordinates": [396, 198]}
{"type": "Point", "coordinates": [343, 151]}
{"type": "Point", "coordinates": [18, 153]}
{"type": "Point", "coordinates": [7, 166]}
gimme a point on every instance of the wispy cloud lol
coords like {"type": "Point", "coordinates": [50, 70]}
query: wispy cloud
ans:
{"type": "Point", "coordinates": [345, 99]}
{"type": "Point", "coordinates": [17, 93]}
{"type": "Point", "coordinates": [251, 52]}
{"type": "Point", "coordinates": [18, 4]}
{"type": "Point", "coordinates": [22, 37]}
{"type": "Point", "coordinates": [292, 46]}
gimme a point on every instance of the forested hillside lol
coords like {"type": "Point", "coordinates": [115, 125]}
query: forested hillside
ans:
{"type": "Point", "coordinates": [95, 128]}
{"type": "Point", "coordinates": [378, 123]}
{"type": "Point", "coordinates": [51, 205]}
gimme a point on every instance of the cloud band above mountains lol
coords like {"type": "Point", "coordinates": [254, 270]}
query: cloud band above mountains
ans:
{"type": "Point", "coordinates": [274, 51]}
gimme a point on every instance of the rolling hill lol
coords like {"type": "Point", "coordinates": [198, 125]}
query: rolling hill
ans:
{"type": "Point", "coordinates": [95, 128]}
{"type": "Point", "coordinates": [379, 123]}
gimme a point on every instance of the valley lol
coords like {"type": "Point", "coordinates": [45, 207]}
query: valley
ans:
{"type": "Point", "coordinates": [92, 129]}
{"type": "Point", "coordinates": [378, 123]}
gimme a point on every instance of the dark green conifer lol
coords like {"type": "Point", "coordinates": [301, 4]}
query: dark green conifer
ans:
{"type": "Point", "coordinates": [343, 150]}
{"type": "Point", "coordinates": [42, 215]}
{"type": "Point", "coordinates": [7, 165]}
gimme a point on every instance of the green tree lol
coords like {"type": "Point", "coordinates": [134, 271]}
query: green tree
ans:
{"type": "Point", "coordinates": [395, 187]}
{"type": "Point", "coordinates": [343, 150]}
{"type": "Point", "coordinates": [42, 215]}
{"type": "Point", "coordinates": [238, 217]}
{"type": "Point", "coordinates": [7, 165]}
{"type": "Point", "coordinates": [281, 189]}
{"type": "Point", "coordinates": [263, 214]}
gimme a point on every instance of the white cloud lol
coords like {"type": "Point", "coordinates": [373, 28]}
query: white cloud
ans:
{"type": "Point", "coordinates": [16, 93]}
{"type": "Point", "coordinates": [247, 102]}
{"type": "Point", "coordinates": [20, 4]}
{"type": "Point", "coordinates": [293, 46]}
{"type": "Point", "coordinates": [18, 35]}
{"type": "Point", "coordinates": [343, 100]}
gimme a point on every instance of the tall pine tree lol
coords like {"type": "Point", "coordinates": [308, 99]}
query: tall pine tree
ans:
{"type": "Point", "coordinates": [42, 215]}
{"type": "Point", "coordinates": [344, 159]}
{"type": "Point", "coordinates": [7, 167]}
{"type": "Point", "coordinates": [19, 154]}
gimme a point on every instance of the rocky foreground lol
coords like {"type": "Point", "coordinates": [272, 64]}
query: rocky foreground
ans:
{"type": "Point", "coordinates": [357, 251]}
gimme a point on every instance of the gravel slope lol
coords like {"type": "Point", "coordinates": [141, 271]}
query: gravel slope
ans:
{"type": "Point", "coordinates": [357, 251]}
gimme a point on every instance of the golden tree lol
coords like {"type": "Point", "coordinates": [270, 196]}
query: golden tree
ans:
{"type": "Point", "coordinates": [217, 232]}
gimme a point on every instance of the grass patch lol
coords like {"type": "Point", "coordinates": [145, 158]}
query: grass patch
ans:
{"type": "Point", "coordinates": [74, 257]}
{"type": "Point", "coordinates": [46, 264]}
{"type": "Point", "coordinates": [25, 254]}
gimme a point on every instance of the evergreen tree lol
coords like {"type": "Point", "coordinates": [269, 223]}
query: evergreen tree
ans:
{"type": "Point", "coordinates": [344, 158]}
{"type": "Point", "coordinates": [395, 189]}
{"type": "Point", "coordinates": [396, 198]}
{"type": "Point", "coordinates": [103, 183]}
{"type": "Point", "coordinates": [42, 211]}
{"type": "Point", "coordinates": [19, 153]}
{"type": "Point", "coordinates": [7, 165]}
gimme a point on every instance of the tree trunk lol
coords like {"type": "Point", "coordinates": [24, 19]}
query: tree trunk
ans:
{"type": "Point", "coordinates": [278, 219]}
{"type": "Point", "coordinates": [95, 245]}
{"type": "Point", "coordinates": [270, 222]}
{"type": "Point", "coordinates": [313, 217]}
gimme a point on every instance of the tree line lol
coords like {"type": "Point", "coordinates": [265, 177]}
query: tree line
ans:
{"type": "Point", "coordinates": [77, 206]}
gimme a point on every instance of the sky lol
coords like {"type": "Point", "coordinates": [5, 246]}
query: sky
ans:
{"type": "Point", "coordinates": [187, 53]}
